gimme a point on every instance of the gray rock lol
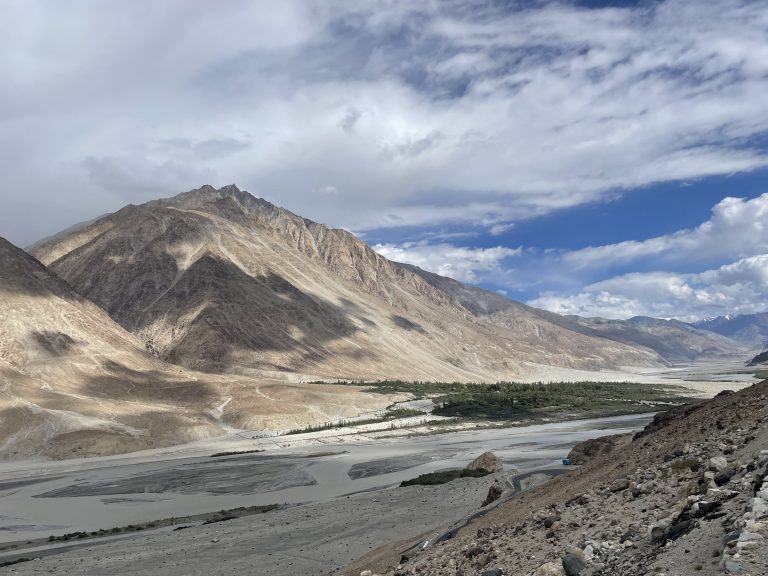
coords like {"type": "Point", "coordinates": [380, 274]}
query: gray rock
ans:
{"type": "Point", "coordinates": [717, 463]}
{"type": "Point", "coordinates": [573, 564]}
{"type": "Point", "coordinates": [724, 476]}
{"type": "Point", "coordinates": [494, 493]}
{"type": "Point", "coordinates": [492, 572]}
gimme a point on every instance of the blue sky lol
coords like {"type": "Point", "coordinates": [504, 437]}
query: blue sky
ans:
{"type": "Point", "coordinates": [596, 158]}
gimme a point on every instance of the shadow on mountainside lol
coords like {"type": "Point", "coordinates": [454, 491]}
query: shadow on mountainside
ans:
{"type": "Point", "coordinates": [221, 313]}
{"type": "Point", "coordinates": [54, 342]}
{"type": "Point", "coordinates": [125, 384]}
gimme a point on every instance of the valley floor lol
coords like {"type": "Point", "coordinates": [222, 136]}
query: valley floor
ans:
{"type": "Point", "coordinates": [344, 501]}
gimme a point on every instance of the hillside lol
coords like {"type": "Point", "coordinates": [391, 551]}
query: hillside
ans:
{"type": "Point", "coordinates": [672, 340]}
{"type": "Point", "coordinates": [74, 383]}
{"type": "Point", "coordinates": [688, 495]}
{"type": "Point", "coordinates": [221, 281]}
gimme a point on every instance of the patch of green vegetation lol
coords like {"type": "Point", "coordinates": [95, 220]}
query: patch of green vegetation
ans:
{"type": "Point", "coordinates": [12, 562]}
{"type": "Point", "coordinates": [234, 453]}
{"type": "Point", "coordinates": [536, 401]}
{"type": "Point", "coordinates": [509, 400]}
{"type": "Point", "coordinates": [435, 478]}
{"type": "Point", "coordinates": [220, 516]}
{"type": "Point", "coordinates": [387, 417]}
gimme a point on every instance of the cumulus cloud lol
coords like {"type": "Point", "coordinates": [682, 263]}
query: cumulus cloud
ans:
{"type": "Point", "coordinates": [419, 113]}
{"type": "Point", "coordinates": [740, 287]}
{"type": "Point", "coordinates": [460, 263]}
{"type": "Point", "coordinates": [738, 227]}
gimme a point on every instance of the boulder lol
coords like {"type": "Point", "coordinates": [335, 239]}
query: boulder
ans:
{"type": "Point", "coordinates": [486, 461]}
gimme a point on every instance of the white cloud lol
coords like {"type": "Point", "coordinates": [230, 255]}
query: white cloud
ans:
{"type": "Point", "coordinates": [737, 228]}
{"type": "Point", "coordinates": [419, 113]}
{"type": "Point", "coordinates": [737, 288]}
{"type": "Point", "coordinates": [460, 263]}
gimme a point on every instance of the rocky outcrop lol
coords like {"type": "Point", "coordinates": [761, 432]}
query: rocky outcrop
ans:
{"type": "Point", "coordinates": [588, 450]}
{"type": "Point", "coordinates": [486, 461]}
{"type": "Point", "coordinates": [494, 493]}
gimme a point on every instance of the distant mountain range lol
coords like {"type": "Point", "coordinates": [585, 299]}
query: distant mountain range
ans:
{"type": "Point", "coordinates": [749, 329]}
{"type": "Point", "coordinates": [167, 321]}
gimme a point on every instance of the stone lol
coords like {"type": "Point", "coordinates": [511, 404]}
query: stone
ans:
{"type": "Point", "coordinates": [483, 560]}
{"type": "Point", "coordinates": [724, 476]}
{"type": "Point", "coordinates": [492, 572]}
{"type": "Point", "coordinates": [550, 520]}
{"type": "Point", "coordinates": [717, 463]}
{"type": "Point", "coordinates": [473, 551]}
{"type": "Point", "coordinates": [366, 573]}
{"type": "Point", "coordinates": [550, 569]}
{"type": "Point", "coordinates": [486, 461]}
{"type": "Point", "coordinates": [573, 564]}
{"type": "Point", "coordinates": [619, 484]}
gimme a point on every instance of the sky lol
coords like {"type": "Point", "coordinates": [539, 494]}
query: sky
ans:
{"type": "Point", "coordinates": [594, 158]}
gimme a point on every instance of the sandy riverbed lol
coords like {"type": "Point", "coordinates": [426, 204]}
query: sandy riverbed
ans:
{"type": "Point", "coordinates": [350, 500]}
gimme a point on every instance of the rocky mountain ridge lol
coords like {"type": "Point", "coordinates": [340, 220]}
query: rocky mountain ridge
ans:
{"type": "Point", "coordinates": [221, 281]}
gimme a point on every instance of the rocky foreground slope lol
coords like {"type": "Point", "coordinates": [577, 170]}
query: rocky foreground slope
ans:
{"type": "Point", "coordinates": [222, 281]}
{"type": "Point", "coordinates": [688, 495]}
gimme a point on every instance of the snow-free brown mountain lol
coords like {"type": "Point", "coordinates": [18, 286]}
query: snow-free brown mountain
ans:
{"type": "Point", "coordinates": [672, 340]}
{"type": "Point", "coordinates": [222, 281]}
{"type": "Point", "coordinates": [75, 383]}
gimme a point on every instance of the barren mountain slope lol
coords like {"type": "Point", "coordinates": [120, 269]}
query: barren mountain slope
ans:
{"type": "Point", "coordinates": [73, 382]}
{"type": "Point", "coordinates": [674, 341]}
{"type": "Point", "coordinates": [221, 281]}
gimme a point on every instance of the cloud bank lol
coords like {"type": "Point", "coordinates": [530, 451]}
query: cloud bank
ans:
{"type": "Point", "coordinates": [414, 114]}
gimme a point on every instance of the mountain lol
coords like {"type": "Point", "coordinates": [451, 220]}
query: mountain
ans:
{"type": "Point", "coordinates": [75, 383]}
{"type": "Point", "coordinates": [73, 380]}
{"type": "Point", "coordinates": [749, 329]}
{"type": "Point", "coordinates": [759, 359]}
{"type": "Point", "coordinates": [222, 281]}
{"type": "Point", "coordinates": [672, 340]}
